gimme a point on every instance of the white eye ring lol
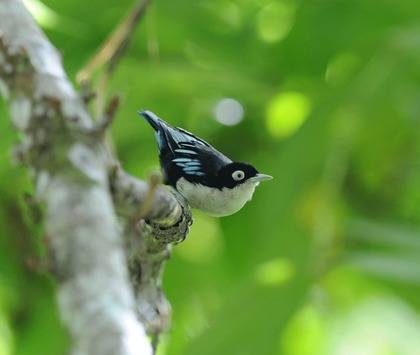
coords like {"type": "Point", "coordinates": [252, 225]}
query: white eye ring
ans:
{"type": "Point", "coordinates": [238, 175]}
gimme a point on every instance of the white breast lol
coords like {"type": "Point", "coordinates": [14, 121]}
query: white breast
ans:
{"type": "Point", "coordinates": [214, 201]}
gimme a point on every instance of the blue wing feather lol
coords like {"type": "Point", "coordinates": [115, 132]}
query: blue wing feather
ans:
{"type": "Point", "coordinates": [183, 150]}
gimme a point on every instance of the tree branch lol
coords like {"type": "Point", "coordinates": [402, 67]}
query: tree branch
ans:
{"type": "Point", "coordinates": [149, 245]}
{"type": "Point", "coordinates": [166, 223]}
{"type": "Point", "coordinates": [111, 51]}
{"type": "Point", "coordinates": [115, 45]}
{"type": "Point", "coordinates": [70, 171]}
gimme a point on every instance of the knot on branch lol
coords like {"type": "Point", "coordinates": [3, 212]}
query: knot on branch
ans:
{"type": "Point", "coordinates": [154, 309]}
{"type": "Point", "coordinates": [175, 233]}
{"type": "Point", "coordinates": [104, 122]}
{"type": "Point", "coordinates": [15, 68]}
{"type": "Point", "coordinates": [156, 218]}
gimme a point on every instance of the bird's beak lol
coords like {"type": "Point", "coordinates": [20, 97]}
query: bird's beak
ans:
{"type": "Point", "coordinates": [261, 177]}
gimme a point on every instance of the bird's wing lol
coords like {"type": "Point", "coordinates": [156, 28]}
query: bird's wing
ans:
{"type": "Point", "coordinates": [198, 160]}
{"type": "Point", "coordinates": [181, 150]}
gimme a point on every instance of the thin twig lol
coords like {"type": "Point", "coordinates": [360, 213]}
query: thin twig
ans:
{"type": "Point", "coordinates": [154, 181]}
{"type": "Point", "coordinates": [86, 92]}
{"type": "Point", "coordinates": [108, 116]}
{"type": "Point", "coordinates": [101, 92]}
{"type": "Point", "coordinates": [100, 128]}
{"type": "Point", "coordinates": [155, 342]}
{"type": "Point", "coordinates": [115, 45]}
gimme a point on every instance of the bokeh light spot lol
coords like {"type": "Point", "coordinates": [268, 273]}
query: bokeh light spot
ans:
{"type": "Point", "coordinates": [229, 111]}
{"type": "Point", "coordinates": [275, 21]}
{"type": "Point", "coordinates": [274, 272]}
{"type": "Point", "coordinates": [305, 333]}
{"type": "Point", "coordinates": [286, 113]}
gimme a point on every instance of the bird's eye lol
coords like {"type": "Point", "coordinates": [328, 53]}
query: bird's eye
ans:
{"type": "Point", "coordinates": [238, 175]}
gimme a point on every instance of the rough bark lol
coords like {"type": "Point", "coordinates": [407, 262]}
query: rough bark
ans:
{"type": "Point", "coordinates": [70, 169]}
{"type": "Point", "coordinates": [149, 243]}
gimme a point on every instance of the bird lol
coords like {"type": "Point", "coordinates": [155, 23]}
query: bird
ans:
{"type": "Point", "coordinates": [206, 178]}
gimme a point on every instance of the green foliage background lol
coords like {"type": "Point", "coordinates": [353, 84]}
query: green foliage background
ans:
{"type": "Point", "coordinates": [326, 258]}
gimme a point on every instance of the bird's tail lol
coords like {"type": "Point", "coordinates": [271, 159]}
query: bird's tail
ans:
{"type": "Point", "coordinates": [153, 119]}
{"type": "Point", "coordinates": [161, 128]}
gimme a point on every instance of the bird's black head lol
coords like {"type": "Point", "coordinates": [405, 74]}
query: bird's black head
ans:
{"type": "Point", "coordinates": [236, 173]}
